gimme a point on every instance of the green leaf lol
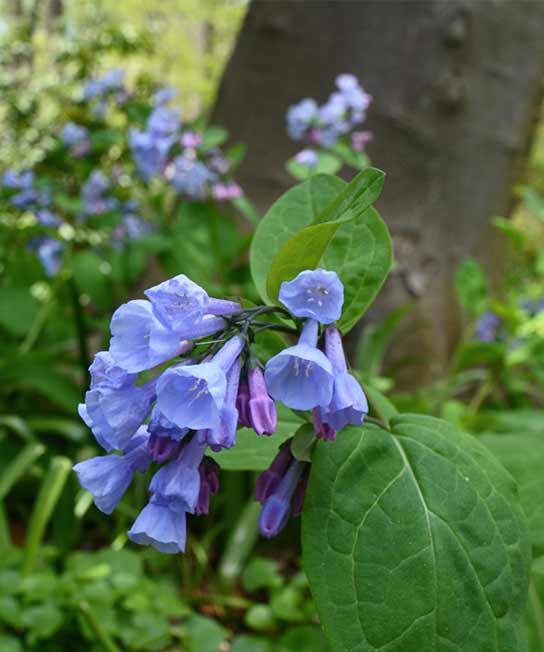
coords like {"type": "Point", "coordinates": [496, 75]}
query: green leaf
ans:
{"type": "Point", "coordinates": [293, 211]}
{"type": "Point", "coordinates": [204, 634]}
{"type": "Point", "coordinates": [303, 443]}
{"type": "Point", "coordinates": [306, 638]}
{"type": "Point", "coordinates": [413, 541]}
{"type": "Point", "coordinates": [18, 466]}
{"type": "Point", "coordinates": [381, 405]}
{"type": "Point", "coordinates": [254, 453]}
{"type": "Point", "coordinates": [251, 644]}
{"type": "Point", "coordinates": [18, 311]}
{"type": "Point", "coordinates": [326, 164]}
{"type": "Point", "coordinates": [522, 454]}
{"type": "Point", "coordinates": [306, 248]}
{"type": "Point", "coordinates": [261, 573]}
{"type": "Point", "coordinates": [471, 286]}
{"type": "Point", "coordinates": [362, 255]}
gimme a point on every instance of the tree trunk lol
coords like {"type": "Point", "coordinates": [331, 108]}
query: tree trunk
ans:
{"type": "Point", "coordinates": [457, 88]}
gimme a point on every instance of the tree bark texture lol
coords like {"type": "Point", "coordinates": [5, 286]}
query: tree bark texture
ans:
{"type": "Point", "coordinates": [457, 89]}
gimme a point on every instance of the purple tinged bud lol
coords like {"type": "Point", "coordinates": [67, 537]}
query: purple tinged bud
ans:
{"type": "Point", "coordinates": [209, 484]}
{"type": "Point", "coordinates": [224, 434]}
{"type": "Point", "coordinates": [242, 403]}
{"type": "Point", "coordinates": [276, 509]}
{"type": "Point", "coordinates": [161, 449]}
{"type": "Point", "coordinates": [262, 409]}
{"type": "Point", "coordinates": [268, 480]}
{"type": "Point", "coordinates": [360, 139]}
{"type": "Point", "coordinates": [300, 492]}
{"type": "Point", "coordinates": [348, 404]}
{"type": "Point", "coordinates": [191, 139]}
{"type": "Point", "coordinates": [322, 430]}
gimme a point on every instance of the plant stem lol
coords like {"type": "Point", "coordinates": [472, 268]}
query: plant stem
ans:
{"type": "Point", "coordinates": [101, 635]}
{"type": "Point", "coordinates": [240, 543]}
{"type": "Point", "coordinates": [5, 538]}
{"type": "Point", "coordinates": [81, 330]}
{"type": "Point", "coordinates": [48, 496]}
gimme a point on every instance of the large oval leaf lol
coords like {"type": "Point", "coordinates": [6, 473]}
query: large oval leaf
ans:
{"type": "Point", "coordinates": [293, 211]}
{"type": "Point", "coordinates": [362, 255]}
{"type": "Point", "coordinates": [414, 541]}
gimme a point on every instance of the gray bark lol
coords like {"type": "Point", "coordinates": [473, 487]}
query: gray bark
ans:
{"type": "Point", "coordinates": [456, 86]}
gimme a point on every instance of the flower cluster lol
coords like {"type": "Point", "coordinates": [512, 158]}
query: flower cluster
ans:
{"type": "Point", "coordinates": [179, 155]}
{"type": "Point", "coordinates": [324, 126]}
{"type": "Point", "coordinates": [208, 382]}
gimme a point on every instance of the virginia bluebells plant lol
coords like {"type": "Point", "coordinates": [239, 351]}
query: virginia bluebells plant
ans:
{"type": "Point", "coordinates": [331, 127]}
{"type": "Point", "coordinates": [202, 382]}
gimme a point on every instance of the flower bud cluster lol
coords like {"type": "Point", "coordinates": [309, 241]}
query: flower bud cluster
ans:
{"type": "Point", "coordinates": [323, 126]}
{"type": "Point", "coordinates": [202, 382]}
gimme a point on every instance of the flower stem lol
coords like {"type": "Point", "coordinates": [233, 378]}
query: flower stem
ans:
{"type": "Point", "coordinates": [81, 330]}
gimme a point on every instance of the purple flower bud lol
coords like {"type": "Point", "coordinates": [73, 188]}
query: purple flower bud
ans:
{"type": "Point", "coordinates": [262, 409]}
{"type": "Point", "coordinates": [191, 140]}
{"type": "Point", "coordinates": [276, 509]}
{"type": "Point", "coordinates": [348, 404]}
{"type": "Point", "coordinates": [317, 294]}
{"type": "Point", "coordinates": [162, 448]}
{"type": "Point", "coordinates": [242, 403]}
{"type": "Point", "coordinates": [300, 492]}
{"type": "Point", "coordinates": [360, 139]}
{"type": "Point", "coordinates": [322, 430]}
{"type": "Point", "coordinates": [268, 480]}
{"type": "Point", "coordinates": [209, 484]}
{"type": "Point", "coordinates": [224, 434]}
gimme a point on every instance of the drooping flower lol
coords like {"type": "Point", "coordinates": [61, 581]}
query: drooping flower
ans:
{"type": "Point", "coordinates": [190, 176]}
{"type": "Point", "coordinates": [269, 479]}
{"type": "Point", "coordinates": [301, 376]}
{"type": "Point", "coordinates": [163, 121]}
{"type": "Point", "coordinates": [487, 327]}
{"type": "Point", "coordinates": [224, 434]}
{"type": "Point", "coordinates": [109, 476]}
{"type": "Point", "coordinates": [317, 294]}
{"type": "Point", "coordinates": [47, 218]}
{"type": "Point", "coordinates": [160, 524]}
{"type": "Point", "coordinates": [348, 404]}
{"type": "Point", "coordinates": [164, 95]}
{"type": "Point", "coordinates": [115, 414]}
{"type": "Point", "coordinates": [263, 416]}
{"type": "Point", "coordinates": [150, 152]}
{"type": "Point", "coordinates": [105, 373]}
{"type": "Point", "coordinates": [179, 481]}
{"type": "Point", "coordinates": [76, 137]}
{"type": "Point", "coordinates": [49, 251]}
{"type": "Point", "coordinates": [300, 116]}
{"type": "Point", "coordinates": [140, 341]}
{"type": "Point", "coordinates": [179, 304]}
{"type": "Point", "coordinates": [160, 426]}
{"type": "Point", "coordinates": [18, 180]}
{"type": "Point", "coordinates": [192, 396]}
{"type": "Point", "coordinates": [277, 507]}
